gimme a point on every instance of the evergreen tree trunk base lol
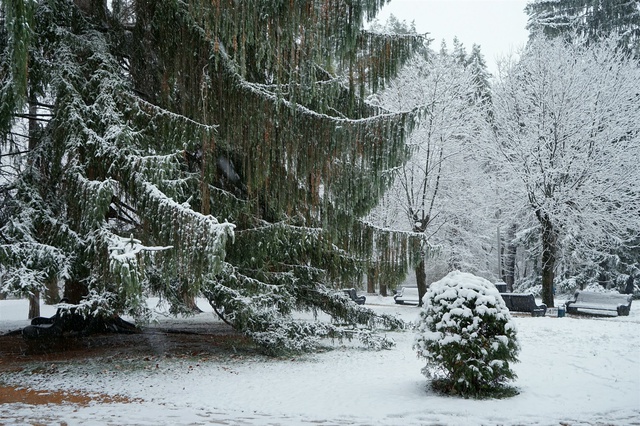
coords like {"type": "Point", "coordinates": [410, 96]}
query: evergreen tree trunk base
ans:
{"type": "Point", "coordinates": [372, 280]}
{"type": "Point", "coordinates": [34, 305]}
{"type": "Point", "coordinates": [74, 291]}
{"type": "Point", "coordinates": [191, 305]}
{"type": "Point", "coordinates": [72, 324]}
{"type": "Point", "coordinates": [383, 290]}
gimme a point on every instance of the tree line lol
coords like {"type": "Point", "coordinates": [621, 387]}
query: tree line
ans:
{"type": "Point", "coordinates": [528, 176]}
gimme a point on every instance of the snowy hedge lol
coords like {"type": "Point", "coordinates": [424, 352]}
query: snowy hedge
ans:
{"type": "Point", "coordinates": [466, 335]}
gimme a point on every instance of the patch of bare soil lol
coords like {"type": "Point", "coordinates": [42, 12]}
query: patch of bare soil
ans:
{"type": "Point", "coordinates": [215, 340]}
{"type": "Point", "coordinates": [14, 394]}
{"type": "Point", "coordinates": [48, 356]}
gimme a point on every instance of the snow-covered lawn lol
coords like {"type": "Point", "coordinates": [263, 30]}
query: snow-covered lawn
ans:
{"type": "Point", "coordinates": [572, 370]}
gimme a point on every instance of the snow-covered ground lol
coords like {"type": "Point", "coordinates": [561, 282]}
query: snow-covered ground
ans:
{"type": "Point", "coordinates": [572, 371]}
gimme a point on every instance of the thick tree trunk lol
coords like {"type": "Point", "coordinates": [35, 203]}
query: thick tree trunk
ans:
{"type": "Point", "coordinates": [371, 280]}
{"type": "Point", "coordinates": [34, 299]}
{"type": "Point", "coordinates": [383, 290]}
{"type": "Point", "coordinates": [509, 266]}
{"type": "Point", "coordinates": [548, 258]}
{"type": "Point", "coordinates": [74, 291]}
{"type": "Point", "coordinates": [51, 293]}
{"type": "Point", "coordinates": [34, 305]}
{"type": "Point", "coordinates": [421, 279]}
{"type": "Point", "coordinates": [190, 303]}
{"type": "Point", "coordinates": [629, 286]}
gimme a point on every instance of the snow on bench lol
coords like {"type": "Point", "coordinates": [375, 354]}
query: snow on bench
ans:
{"type": "Point", "coordinates": [600, 303]}
{"type": "Point", "coordinates": [520, 302]}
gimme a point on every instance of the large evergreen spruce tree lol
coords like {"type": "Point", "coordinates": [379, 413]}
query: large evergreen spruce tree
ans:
{"type": "Point", "coordinates": [200, 148]}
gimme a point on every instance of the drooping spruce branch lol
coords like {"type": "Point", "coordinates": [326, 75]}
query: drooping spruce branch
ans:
{"type": "Point", "coordinates": [215, 118]}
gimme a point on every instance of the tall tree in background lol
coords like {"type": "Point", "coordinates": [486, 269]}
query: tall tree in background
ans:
{"type": "Point", "coordinates": [394, 26]}
{"type": "Point", "coordinates": [567, 135]}
{"type": "Point", "coordinates": [204, 148]}
{"type": "Point", "coordinates": [478, 66]}
{"type": "Point", "coordinates": [432, 192]}
{"type": "Point", "coordinates": [588, 20]}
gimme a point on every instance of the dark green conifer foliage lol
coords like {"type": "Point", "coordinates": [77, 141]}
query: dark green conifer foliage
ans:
{"type": "Point", "coordinates": [590, 19]}
{"type": "Point", "coordinates": [467, 337]}
{"type": "Point", "coordinates": [217, 148]}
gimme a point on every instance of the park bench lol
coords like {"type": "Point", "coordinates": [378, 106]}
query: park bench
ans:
{"type": "Point", "coordinates": [501, 286]}
{"type": "Point", "coordinates": [611, 304]}
{"type": "Point", "coordinates": [519, 302]}
{"type": "Point", "coordinates": [351, 292]}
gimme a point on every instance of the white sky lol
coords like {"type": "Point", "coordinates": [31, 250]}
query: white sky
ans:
{"type": "Point", "coordinates": [498, 26]}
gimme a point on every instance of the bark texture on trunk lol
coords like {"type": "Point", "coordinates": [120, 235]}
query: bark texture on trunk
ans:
{"type": "Point", "coordinates": [372, 279]}
{"type": "Point", "coordinates": [34, 305]}
{"type": "Point", "coordinates": [191, 304]}
{"type": "Point", "coordinates": [509, 265]}
{"type": "Point", "coordinates": [34, 298]}
{"type": "Point", "coordinates": [383, 289]}
{"type": "Point", "coordinates": [74, 291]}
{"type": "Point", "coordinates": [548, 258]}
{"type": "Point", "coordinates": [421, 279]}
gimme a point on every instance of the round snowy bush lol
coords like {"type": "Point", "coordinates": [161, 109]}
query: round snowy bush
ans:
{"type": "Point", "coordinates": [467, 337]}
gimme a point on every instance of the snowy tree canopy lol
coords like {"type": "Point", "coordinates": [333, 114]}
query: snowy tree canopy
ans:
{"type": "Point", "coordinates": [566, 133]}
{"type": "Point", "coordinates": [439, 192]}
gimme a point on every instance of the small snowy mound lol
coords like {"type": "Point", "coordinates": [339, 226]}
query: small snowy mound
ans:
{"type": "Point", "coordinates": [467, 336]}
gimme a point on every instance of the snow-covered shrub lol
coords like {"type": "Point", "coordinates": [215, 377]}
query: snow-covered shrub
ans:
{"type": "Point", "coordinates": [595, 287]}
{"type": "Point", "coordinates": [567, 286]}
{"type": "Point", "coordinates": [467, 337]}
{"type": "Point", "coordinates": [529, 286]}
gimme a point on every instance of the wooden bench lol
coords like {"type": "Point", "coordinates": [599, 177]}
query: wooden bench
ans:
{"type": "Point", "coordinates": [600, 303]}
{"type": "Point", "coordinates": [519, 302]}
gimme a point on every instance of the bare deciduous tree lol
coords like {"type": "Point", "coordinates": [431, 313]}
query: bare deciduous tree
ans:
{"type": "Point", "coordinates": [427, 190]}
{"type": "Point", "coordinates": [566, 138]}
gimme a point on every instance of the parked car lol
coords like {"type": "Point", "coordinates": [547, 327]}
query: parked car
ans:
{"type": "Point", "coordinates": [407, 295]}
{"type": "Point", "coordinates": [353, 294]}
